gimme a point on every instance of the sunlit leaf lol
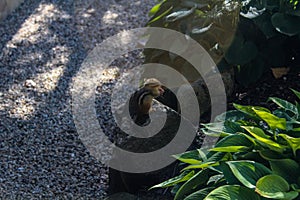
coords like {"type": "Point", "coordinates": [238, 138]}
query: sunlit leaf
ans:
{"type": "Point", "coordinates": [230, 192]}
{"type": "Point", "coordinates": [264, 139]}
{"type": "Point", "coordinates": [275, 187]}
{"type": "Point", "coordinates": [273, 121]}
{"type": "Point", "coordinates": [293, 142]}
{"type": "Point", "coordinates": [248, 172]}
{"type": "Point", "coordinates": [233, 143]}
{"type": "Point", "coordinates": [173, 181]}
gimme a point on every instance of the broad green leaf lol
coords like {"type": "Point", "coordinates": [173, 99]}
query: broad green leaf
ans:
{"type": "Point", "coordinates": [202, 165]}
{"type": "Point", "coordinates": [188, 187]}
{"type": "Point", "coordinates": [270, 155]}
{"type": "Point", "coordinates": [224, 169]}
{"type": "Point", "coordinates": [175, 180]}
{"type": "Point", "coordinates": [287, 168]}
{"type": "Point", "coordinates": [231, 149]}
{"type": "Point", "coordinates": [200, 194]}
{"type": "Point", "coordinates": [275, 187]}
{"type": "Point", "coordinates": [295, 187]}
{"type": "Point", "coordinates": [285, 105]}
{"type": "Point", "coordinates": [233, 143]}
{"type": "Point", "coordinates": [248, 172]}
{"type": "Point", "coordinates": [286, 24]}
{"type": "Point", "coordinates": [249, 110]}
{"type": "Point", "coordinates": [293, 142]}
{"type": "Point", "coordinates": [232, 115]}
{"type": "Point", "coordinates": [226, 127]}
{"type": "Point", "coordinates": [179, 15]}
{"type": "Point", "coordinates": [290, 121]}
{"type": "Point", "coordinates": [273, 121]}
{"type": "Point", "coordinates": [230, 192]}
{"type": "Point", "coordinates": [265, 25]}
{"type": "Point", "coordinates": [221, 129]}
{"type": "Point", "coordinates": [191, 157]}
{"type": "Point", "coordinates": [211, 161]}
{"type": "Point", "coordinates": [259, 134]}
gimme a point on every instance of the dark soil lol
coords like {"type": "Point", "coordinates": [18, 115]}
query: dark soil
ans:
{"type": "Point", "coordinates": [257, 94]}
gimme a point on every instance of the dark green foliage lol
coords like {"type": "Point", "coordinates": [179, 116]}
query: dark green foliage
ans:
{"type": "Point", "coordinates": [256, 157]}
{"type": "Point", "coordinates": [266, 33]}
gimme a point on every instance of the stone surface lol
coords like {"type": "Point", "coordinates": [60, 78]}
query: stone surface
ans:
{"type": "Point", "coordinates": [7, 6]}
{"type": "Point", "coordinates": [133, 182]}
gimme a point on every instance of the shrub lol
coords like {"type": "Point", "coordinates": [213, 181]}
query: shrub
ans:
{"type": "Point", "coordinates": [257, 156]}
{"type": "Point", "coordinates": [266, 33]}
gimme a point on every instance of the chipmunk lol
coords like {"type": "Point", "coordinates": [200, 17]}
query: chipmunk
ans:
{"type": "Point", "coordinates": [140, 102]}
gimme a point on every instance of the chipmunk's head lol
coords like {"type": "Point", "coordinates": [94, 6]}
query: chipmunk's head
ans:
{"type": "Point", "coordinates": [154, 86]}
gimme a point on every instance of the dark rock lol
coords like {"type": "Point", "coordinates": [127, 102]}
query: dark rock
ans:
{"type": "Point", "coordinates": [120, 181]}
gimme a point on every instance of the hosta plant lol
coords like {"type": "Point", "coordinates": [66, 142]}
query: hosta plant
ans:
{"type": "Point", "coordinates": [256, 157]}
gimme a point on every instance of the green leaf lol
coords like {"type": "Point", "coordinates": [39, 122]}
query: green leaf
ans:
{"type": "Point", "coordinates": [200, 194]}
{"type": "Point", "coordinates": [259, 134]}
{"type": "Point", "coordinates": [296, 93]}
{"type": "Point", "coordinates": [265, 25]}
{"type": "Point", "coordinates": [175, 180]}
{"type": "Point", "coordinates": [249, 110]}
{"type": "Point", "coordinates": [248, 172]}
{"type": "Point", "coordinates": [290, 121]}
{"type": "Point", "coordinates": [222, 128]}
{"type": "Point", "coordinates": [241, 52]}
{"type": "Point", "coordinates": [154, 9]}
{"type": "Point", "coordinates": [232, 115]}
{"type": "Point", "coordinates": [275, 187]}
{"type": "Point", "coordinates": [179, 15]}
{"type": "Point", "coordinates": [286, 24]}
{"type": "Point", "coordinates": [270, 155]}
{"type": "Point", "coordinates": [160, 16]}
{"type": "Point", "coordinates": [230, 192]}
{"type": "Point", "coordinates": [287, 168]}
{"type": "Point", "coordinates": [233, 143]}
{"type": "Point", "coordinates": [285, 105]}
{"type": "Point", "coordinates": [273, 121]}
{"type": "Point", "coordinates": [293, 142]}
{"type": "Point", "coordinates": [211, 161]}
{"type": "Point", "coordinates": [188, 187]}
{"type": "Point", "coordinates": [191, 157]}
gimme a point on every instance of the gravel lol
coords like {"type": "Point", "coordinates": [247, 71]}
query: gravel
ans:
{"type": "Point", "coordinates": [43, 44]}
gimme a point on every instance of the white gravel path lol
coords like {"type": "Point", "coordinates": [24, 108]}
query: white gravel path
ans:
{"type": "Point", "coordinates": [42, 46]}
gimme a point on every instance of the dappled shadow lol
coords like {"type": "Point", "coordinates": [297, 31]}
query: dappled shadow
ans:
{"type": "Point", "coordinates": [43, 44]}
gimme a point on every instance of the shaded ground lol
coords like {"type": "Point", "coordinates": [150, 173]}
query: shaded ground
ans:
{"type": "Point", "coordinates": [268, 86]}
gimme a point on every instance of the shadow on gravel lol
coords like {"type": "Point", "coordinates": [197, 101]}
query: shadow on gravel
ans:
{"type": "Point", "coordinates": [41, 154]}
